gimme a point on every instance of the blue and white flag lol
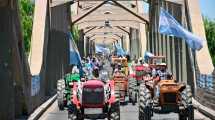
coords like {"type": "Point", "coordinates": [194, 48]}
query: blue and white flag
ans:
{"type": "Point", "coordinates": [148, 55]}
{"type": "Point", "coordinates": [119, 50]}
{"type": "Point", "coordinates": [75, 58]}
{"type": "Point", "coordinates": [169, 26]}
{"type": "Point", "coordinates": [102, 49]}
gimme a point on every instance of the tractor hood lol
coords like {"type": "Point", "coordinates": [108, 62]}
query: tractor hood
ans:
{"type": "Point", "coordinates": [93, 84]}
{"type": "Point", "coordinates": [93, 94]}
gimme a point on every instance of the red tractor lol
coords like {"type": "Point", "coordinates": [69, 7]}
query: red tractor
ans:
{"type": "Point", "coordinates": [94, 99]}
{"type": "Point", "coordinates": [135, 80]}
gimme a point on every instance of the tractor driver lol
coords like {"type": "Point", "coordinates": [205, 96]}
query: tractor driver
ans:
{"type": "Point", "coordinates": [75, 74]}
{"type": "Point", "coordinates": [72, 75]}
{"type": "Point", "coordinates": [163, 74]}
{"type": "Point", "coordinates": [118, 67]}
{"type": "Point", "coordinates": [104, 76]}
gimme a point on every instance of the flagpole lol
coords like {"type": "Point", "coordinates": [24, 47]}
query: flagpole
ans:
{"type": "Point", "coordinates": [191, 51]}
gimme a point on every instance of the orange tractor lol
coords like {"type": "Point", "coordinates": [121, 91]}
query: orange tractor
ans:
{"type": "Point", "coordinates": [121, 86]}
{"type": "Point", "coordinates": [163, 96]}
{"type": "Point", "coordinates": [120, 78]}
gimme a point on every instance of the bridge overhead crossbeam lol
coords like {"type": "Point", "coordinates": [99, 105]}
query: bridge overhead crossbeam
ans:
{"type": "Point", "coordinates": [101, 23]}
{"type": "Point", "coordinates": [77, 18]}
{"type": "Point", "coordinates": [104, 30]}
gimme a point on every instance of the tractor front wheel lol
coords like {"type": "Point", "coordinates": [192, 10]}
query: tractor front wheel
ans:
{"type": "Point", "coordinates": [74, 116]}
{"type": "Point", "coordinates": [145, 108]}
{"type": "Point", "coordinates": [115, 111]}
{"type": "Point", "coordinates": [60, 93]}
{"type": "Point", "coordinates": [114, 116]}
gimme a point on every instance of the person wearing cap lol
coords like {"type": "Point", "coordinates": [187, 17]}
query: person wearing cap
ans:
{"type": "Point", "coordinates": [162, 71]}
{"type": "Point", "coordinates": [140, 61]}
{"type": "Point", "coordinates": [163, 74]}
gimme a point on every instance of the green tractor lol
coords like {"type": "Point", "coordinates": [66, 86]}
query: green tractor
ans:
{"type": "Point", "coordinates": [64, 87]}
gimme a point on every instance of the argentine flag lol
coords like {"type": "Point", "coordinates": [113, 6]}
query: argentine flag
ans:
{"type": "Point", "coordinates": [169, 26]}
{"type": "Point", "coordinates": [119, 50]}
{"type": "Point", "coordinates": [74, 56]}
{"type": "Point", "coordinates": [102, 49]}
{"type": "Point", "coordinates": [148, 55]}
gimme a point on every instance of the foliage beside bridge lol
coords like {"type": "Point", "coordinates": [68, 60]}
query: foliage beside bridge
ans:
{"type": "Point", "coordinates": [75, 33]}
{"type": "Point", "coordinates": [27, 11]}
{"type": "Point", "coordinates": [210, 35]}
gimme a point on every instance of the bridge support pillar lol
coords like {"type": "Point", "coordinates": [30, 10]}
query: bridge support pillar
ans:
{"type": "Point", "coordinates": [13, 89]}
{"type": "Point", "coordinates": [86, 46]}
{"type": "Point", "coordinates": [58, 47]}
{"type": "Point", "coordinates": [6, 71]}
{"type": "Point", "coordinates": [80, 44]}
{"type": "Point", "coordinates": [134, 43]}
{"type": "Point", "coordinates": [142, 28]}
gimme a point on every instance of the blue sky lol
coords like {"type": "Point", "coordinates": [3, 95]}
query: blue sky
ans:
{"type": "Point", "coordinates": [208, 8]}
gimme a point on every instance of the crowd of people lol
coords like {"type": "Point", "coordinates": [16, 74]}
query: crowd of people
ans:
{"type": "Point", "coordinates": [93, 65]}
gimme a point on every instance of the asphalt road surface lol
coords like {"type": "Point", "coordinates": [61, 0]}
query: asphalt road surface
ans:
{"type": "Point", "coordinates": [128, 112]}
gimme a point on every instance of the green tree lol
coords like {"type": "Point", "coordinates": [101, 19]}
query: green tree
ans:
{"type": "Point", "coordinates": [26, 13]}
{"type": "Point", "coordinates": [210, 35]}
{"type": "Point", "coordinates": [75, 33]}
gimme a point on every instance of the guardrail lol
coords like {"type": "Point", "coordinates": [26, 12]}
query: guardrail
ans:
{"type": "Point", "coordinates": [205, 91]}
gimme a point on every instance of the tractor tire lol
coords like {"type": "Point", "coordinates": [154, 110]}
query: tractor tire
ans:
{"type": "Point", "coordinates": [117, 95]}
{"type": "Point", "coordinates": [182, 117]}
{"type": "Point", "coordinates": [145, 108]}
{"type": "Point", "coordinates": [133, 92]}
{"type": "Point", "coordinates": [186, 96]}
{"type": "Point", "coordinates": [74, 116]}
{"type": "Point", "coordinates": [114, 116]}
{"type": "Point", "coordinates": [115, 112]}
{"type": "Point", "coordinates": [60, 93]}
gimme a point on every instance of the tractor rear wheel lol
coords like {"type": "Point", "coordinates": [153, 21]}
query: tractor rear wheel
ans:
{"type": "Point", "coordinates": [145, 108]}
{"type": "Point", "coordinates": [60, 93]}
{"type": "Point", "coordinates": [132, 89]}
